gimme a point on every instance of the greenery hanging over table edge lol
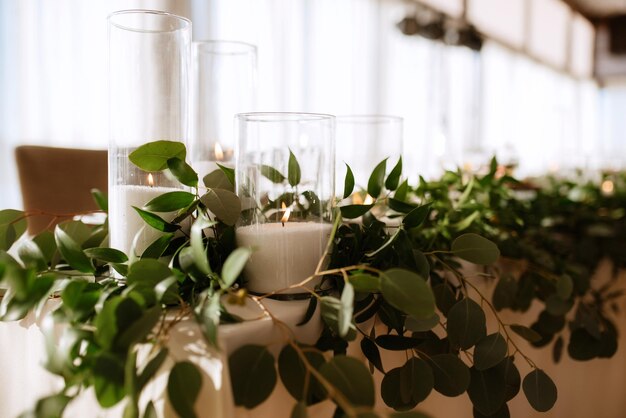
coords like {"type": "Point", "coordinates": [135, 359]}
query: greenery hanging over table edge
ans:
{"type": "Point", "coordinates": [539, 244]}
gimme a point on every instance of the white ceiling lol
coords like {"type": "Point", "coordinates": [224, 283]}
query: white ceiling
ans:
{"type": "Point", "coordinates": [600, 8]}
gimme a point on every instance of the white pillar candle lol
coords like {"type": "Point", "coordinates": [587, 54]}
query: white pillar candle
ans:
{"type": "Point", "coordinates": [127, 222]}
{"type": "Point", "coordinates": [284, 254]}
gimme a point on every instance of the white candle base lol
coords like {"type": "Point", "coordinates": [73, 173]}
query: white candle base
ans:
{"type": "Point", "coordinates": [284, 255]}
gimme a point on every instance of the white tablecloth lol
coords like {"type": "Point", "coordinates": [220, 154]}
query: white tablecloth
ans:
{"type": "Point", "coordinates": [586, 389]}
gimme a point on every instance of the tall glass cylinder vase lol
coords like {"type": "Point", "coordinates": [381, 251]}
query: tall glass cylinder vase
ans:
{"type": "Point", "coordinates": [224, 84]}
{"type": "Point", "coordinates": [285, 177]}
{"type": "Point", "coordinates": [362, 142]}
{"type": "Point", "coordinates": [149, 55]}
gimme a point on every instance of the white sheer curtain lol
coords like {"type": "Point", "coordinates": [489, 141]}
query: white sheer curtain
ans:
{"type": "Point", "coordinates": [330, 56]}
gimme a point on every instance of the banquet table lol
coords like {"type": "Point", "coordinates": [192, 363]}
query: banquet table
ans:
{"type": "Point", "coordinates": [586, 389]}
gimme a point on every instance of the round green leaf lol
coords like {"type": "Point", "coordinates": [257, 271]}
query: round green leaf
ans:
{"type": "Point", "coordinates": [224, 204]}
{"type": "Point", "coordinates": [475, 249]}
{"type": "Point", "coordinates": [351, 378]}
{"type": "Point", "coordinates": [540, 390]}
{"type": "Point", "coordinates": [452, 376]}
{"type": "Point", "coordinates": [408, 292]}
{"type": "Point", "coordinates": [421, 325]}
{"type": "Point", "coordinates": [293, 374]}
{"type": "Point", "coordinates": [363, 282]}
{"type": "Point", "coordinates": [153, 156]}
{"type": "Point", "coordinates": [253, 375]}
{"type": "Point", "coordinates": [466, 324]}
{"type": "Point", "coordinates": [512, 378]}
{"type": "Point", "coordinates": [487, 390]}
{"type": "Point", "coordinates": [170, 202]}
{"type": "Point", "coordinates": [217, 179]}
{"type": "Point", "coordinates": [505, 292]}
{"type": "Point", "coordinates": [490, 351]}
{"type": "Point", "coordinates": [183, 388]}
{"type": "Point", "coordinates": [503, 412]}
{"type": "Point", "coordinates": [417, 380]}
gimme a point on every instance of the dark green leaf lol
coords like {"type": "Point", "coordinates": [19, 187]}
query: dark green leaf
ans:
{"type": "Point", "coordinates": [486, 390]}
{"type": "Point", "coordinates": [503, 412]}
{"type": "Point", "coordinates": [71, 252]}
{"type": "Point", "coordinates": [505, 292]}
{"type": "Point", "coordinates": [108, 255]}
{"type": "Point", "coordinates": [401, 192]}
{"type": "Point", "coordinates": [155, 221]}
{"type": "Point", "coordinates": [354, 211]}
{"type": "Point", "coordinates": [151, 368]}
{"type": "Point", "coordinates": [158, 247]}
{"type": "Point", "coordinates": [12, 227]}
{"type": "Point", "coordinates": [397, 342]}
{"type": "Point", "coordinates": [51, 406]}
{"type": "Point", "coordinates": [183, 172]}
{"type": "Point", "coordinates": [348, 184]}
{"type": "Point", "coordinates": [108, 372]}
{"type": "Point", "coordinates": [393, 179]}
{"type": "Point", "coordinates": [363, 282]}
{"type": "Point", "coordinates": [408, 292]}
{"type": "Point", "coordinates": [31, 255]}
{"type": "Point", "coordinates": [224, 204]}
{"type": "Point", "coordinates": [564, 286]}
{"type": "Point", "coordinates": [170, 202]}
{"type": "Point", "coordinates": [452, 376]}
{"type": "Point", "coordinates": [490, 351]}
{"type": "Point", "coordinates": [512, 378]}
{"type": "Point", "coordinates": [46, 243]}
{"type": "Point", "coordinates": [526, 333]}
{"type": "Point", "coordinates": [377, 179]}
{"type": "Point", "coordinates": [475, 249]}
{"type": "Point", "coordinates": [293, 171]}
{"type": "Point", "coordinates": [150, 411]}
{"type": "Point", "coordinates": [253, 375]}
{"type": "Point", "coordinates": [557, 306]}
{"type": "Point", "coordinates": [466, 324]}
{"type": "Point", "coordinates": [417, 380]}
{"type": "Point", "coordinates": [271, 174]}
{"type": "Point", "coordinates": [218, 179]}
{"type": "Point", "coordinates": [294, 374]}
{"type": "Point", "coordinates": [234, 264]}
{"type": "Point", "coordinates": [183, 388]}
{"type": "Point", "coordinates": [101, 199]}
{"type": "Point", "coordinates": [539, 390]}
{"type": "Point", "coordinates": [583, 346]}
{"type": "Point", "coordinates": [153, 156]}
{"type": "Point", "coordinates": [310, 310]}
{"type": "Point", "coordinates": [421, 325]}
{"type": "Point", "coordinates": [444, 295]}
{"type": "Point", "coordinates": [370, 349]}
{"type": "Point", "coordinates": [400, 206]}
{"type": "Point", "coordinates": [350, 377]}
{"type": "Point", "coordinates": [140, 328]}
{"type": "Point", "coordinates": [230, 174]}
{"type": "Point", "coordinates": [417, 216]}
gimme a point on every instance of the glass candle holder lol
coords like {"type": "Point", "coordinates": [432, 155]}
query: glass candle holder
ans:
{"type": "Point", "coordinates": [149, 55]}
{"type": "Point", "coordinates": [285, 177]}
{"type": "Point", "coordinates": [363, 141]}
{"type": "Point", "coordinates": [223, 84]}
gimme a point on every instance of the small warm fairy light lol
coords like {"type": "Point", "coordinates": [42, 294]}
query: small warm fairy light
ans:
{"type": "Point", "coordinates": [607, 187]}
{"type": "Point", "coordinates": [219, 152]}
{"type": "Point", "coordinates": [150, 180]}
{"type": "Point", "coordinates": [368, 200]}
{"type": "Point", "coordinates": [357, 199]}
{"type": "Point", "coordinates": [285, 217]}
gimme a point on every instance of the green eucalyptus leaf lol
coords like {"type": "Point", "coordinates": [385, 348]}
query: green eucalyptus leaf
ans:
{"type": "Point", "coordinates": [400, 206]}
{"type": "Point", "coordinates": [451, 375]}
{"type": "Point", "coordinates": [12, 227]}
{"type": "Point", "coordinates": [466, 324]}
{"type": "Point", "coordinates": [350, 377]}
{"type": "Point", "coordinates": [218, 179]}
{"type": "Point", "coordinates": [101, 199]}
{"type": "Point", "coordinates": [386, 244]}
{"type": "Point", "coordinates": [158, 246]}
{"type": "Point", "coordinates": [417, 216]}
{"type": "Point", "coordinates": [155, 221]}
{"type": "Point", "coordinates": [377, 179]}
{"type": "Point", "coordinates": [526, 333]}
{"type": "Point", "coordinates": [421, 325]}
{"type": "Point", "coordinates": [348, 184]}
{"type": "Point", "coordinates": [271, 174]}
{"type": "Point", "coordinates": [170, 202]}
{"type": "Point", "coordinates": [139, 329]}
{"type": "Point", "coordinates": [475, 249]}
{"type": "Point", "coordinates": [490, 351]}
{"type": "Point", "coordinates": [293, 171]}
{"type": "Point", "coordinates": [108, 255]}
{"type": "Point", "coordinates": [503, 412]}
{"type": "Point", "coordinates": [46, 243]}
{"type": "Point", "coordinates": [144, 275]}
{"type": "Point", "coordinates": [151, 368]}
{"type": "Point", "coordinates": [153, 156]}
{"type": "Point", "coordinates": [183, 387]}
{"type": "Point", "coordinates": [253, 375]}
{"type": "Point", "coordinates": [505, 292]}
{"type": "Point", "coordinates": [224, 204]}
{"type": "Point", "coordinates": [401, 191]}
{"type": "Point", "coordinates": [71, 252]}
{"type": "Point", "coordinates": [371, 352]}
{"type": "Point", "coordinates": [393, 179]}
{"type": "Point", "coordinates": [234, 264]}
{"type": "Point", "coordinates": [540, 390]}
{"type": "Point", "coordinates": [487, 390]}
{"type": "Point", "coordinates": [229, 172]}
{"type": "Point", "coordinates": [408, 292]}
{"type": "Point", "coordinates": [31, 256]}
{"type": "Point", "coordinates": [183, 172]}
{"type": "Point", "coordinates": [354, 211]}
{"type": "Point", "coordinates": [198, 250]}
{"type": "Point", "coordinates": [397, 342]}
{"type": "Point", "coordinates": [294, 374]}
{"type": "Point", "coordinates": [108, 379]}
{"type": "Point", "coordinates": [363, 282]}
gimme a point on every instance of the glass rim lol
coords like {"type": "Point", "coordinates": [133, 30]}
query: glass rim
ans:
{"type": "Point", "coordinates": [273, 117]}
{"type": "Point", "coordinates": [184, 23]}
{"type": "Point", "coordinates": [211, 46]}
{"type": "Point", "coordinates": [369, 118]}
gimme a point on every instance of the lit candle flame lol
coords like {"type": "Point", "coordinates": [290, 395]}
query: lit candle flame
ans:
{"type": "Point", "coordinates": [285, 217]}
{"type": "Point", "coordinates": [368, 200]}
{"type": "Point", "coordinates": [150, 180]}
{"type": "Point", "coordinates": [219, 152]}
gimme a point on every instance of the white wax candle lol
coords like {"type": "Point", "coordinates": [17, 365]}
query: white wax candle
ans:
{"type": "Point", "coordinates": [284, 255]}
{"type": "Point", "coordinates": [125, 222]}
